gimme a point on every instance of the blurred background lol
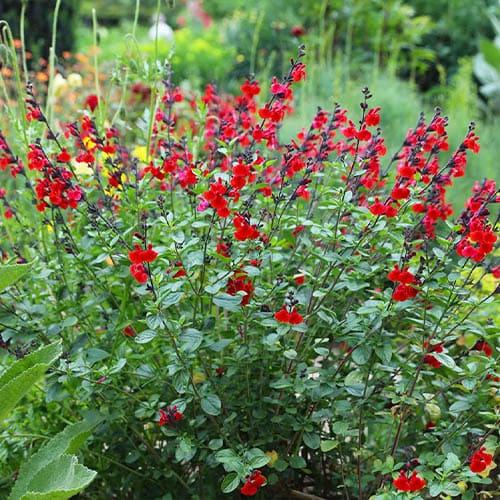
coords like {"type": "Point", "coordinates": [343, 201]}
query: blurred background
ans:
{"type": "Point", "coordinates": [412, 54]}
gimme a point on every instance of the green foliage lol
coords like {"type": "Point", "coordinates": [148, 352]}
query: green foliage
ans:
{"type": "Point", "coordinates": [200, 57]}
{"type": "Point", "coordinates": [10, 273]}
{"type": "Point", "coordinates": [17, 380]}
{"type": "Point", "coordinates": [52, 472]}
{"type": "Point", "coordinates": [487, 69]}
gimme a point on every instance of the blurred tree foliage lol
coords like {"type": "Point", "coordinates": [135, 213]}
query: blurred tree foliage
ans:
{"type": "Point", "coordinates": [38, 24]}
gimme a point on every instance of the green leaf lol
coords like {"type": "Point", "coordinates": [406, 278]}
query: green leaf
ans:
{"type": "Point", "coordinates": [361, 355]}
{"type": "Point", "coordinates": [45, 355]}
{"type": "Point", "coordinates": [452, 462]}
{"type": "Point", "coordinates": [10, 273]}
{"type": "Point", "coordinates": [451, 489]}
{"type": "Point", "coordinates": [215, 444]}
{"type": "Point", "coordinates": [445, 359]}
{"type": "Point", "coordinates": [211, 404]}
{"type": "Point", "coordinates": [226, 456]}
{"type": "Point", "coordinates": [145, 337]}
{"type": "Point", "coordinates": [328, 444]}
{"type": "Point", "coordinates": [230, 482]}
{"type": "Point", "coordinates": [312, 440]}
{"type": "Point", "coordinates": [23, 374]}
{"type": "Point", "coordinates": [435, 489]}
{"type": "Point", "coordinates": [66, 442]}
{"type": "Point", "coordinates": [62, 478]}
{"type": "Point", "coordinates": [171, 299]}
{"type": "Point", "coordinates": [191, 340]}
{"type": "Point", "coordinates": [257, 458]}
{"type": "Point", "coordinates": [297, 462]}
{"type": "Point", "coordinates": [459, 406]}
{"type": "Point", "coordinates": [228, 302]}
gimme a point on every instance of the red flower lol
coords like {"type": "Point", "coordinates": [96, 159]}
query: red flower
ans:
{"type": "Point", "coordinates": [404, 292]}
{"type": "Point", "coordinates": [496, 272]}
{"type": "Point", "coordinates": [138, 271]}
{"type": "Point", "coordinates": [291, 317]}
{"type": "Point", "coordinates": [299, 279]}
{"type": "Point", "coordinates": [170, 416]}
{"type": "Point", "coordinates": [412, 483]}
{"type": "Point", "coordinates": [250, 89]}
{"type": "Point", "coordinates": [480, 460]}
{"type": "Point", "coordinates": [91, 102]}
{"type": "Point", "coordinates": [223, 249]}
{"type": "Point", "coordinates": [471, 142]}
{"type": "Point", "coordinates": [298, 230]}
{"type": "Point", "coordinates": [372, 118]}
{"type": "Point", "coordinates": [401, 275]}
{"type": "Point", "coordinates": [129, 331]}
{"type": "Point", "coordinates": [139, 255]}
{"type": "Point", "coordinates": [483, 346]}
{"type": "Point", "coordinates": [244, 230]}
{"type": "Point", "coordinates": [255, 481]}
{"type": "Point", "coordinates": [432, 361]}
{"type": "Point", "coordinates": [63, 156]}
{"type": "Point", "coordinates": [299, 72]}
{"type": "Point", "coordinates": [241, 282]}
{"type": "Point", "coordinates": [298, 30]}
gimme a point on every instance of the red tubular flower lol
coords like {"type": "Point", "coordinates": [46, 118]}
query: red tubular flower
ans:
{"type": "Point", "coordinates": [480, 460]}
{"type": "Point", "coordinates": [253, 483]}
{"type": "Point", "coordinates": [298, 30]}
{"type": "Point", "coordinates": [241, 282]}
{"type": "Point", "coordinates": [250, 89]}
{"type": "Point", "coordinates": [496, 272]}
{"type": "Point", "coordinates": [404, 292]}
{"type": "Point", "coordinates": [91, 102]}
{"type": "Point", "coordinates": [291, 317]}
{"type": "Point", "coordinates": [137, 258]}
{"type": "Point", "coordinates": [244, 230]}
{"type": "Point", "coordinates": [377, 208]}
{"type": "Point", "coordinates": [372, 118]}
{"type": "Point", "coordinates": [472, 142]}
{"type": "Point", "coordinates": [299, 279]}
{"type": "Point", "coordinates": [129, 331]}
{"type": "Point", "coordinates": [412, 483]}
{"type": "Point", "coordinates": [138, 271]}
{"type": "Point", "coordinates": [169, 416]}
{"type": "Point", "coordinates": [432, 361]}
{"type": "Point", "coordinates": [298, 72]}
{"type": "Point", "coordinates": [63, 156]}
{"type": "Point", "coordinates": [483, 346]}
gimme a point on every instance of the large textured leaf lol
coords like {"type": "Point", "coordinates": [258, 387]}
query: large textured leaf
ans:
{"type": "Point", "coordinates": [10, 273]}
{"type": "Point", "coordinates": [60, 479]}
{"type": "Point", "coordinates": [23, 374]}
{"type": "Point", "coordinates": [484, 72]}
{"type": "Point", "coordinates": [67, 441]}
{"type": "Point", "coordinates": [491, 53]}
{"type": "Point", "coordinates": [46, 355]}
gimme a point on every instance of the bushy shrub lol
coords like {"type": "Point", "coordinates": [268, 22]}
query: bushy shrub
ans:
{"type": "Point", "coordinates": [246, 315]}
{"type": "Point", "coordinates": [199, 57]}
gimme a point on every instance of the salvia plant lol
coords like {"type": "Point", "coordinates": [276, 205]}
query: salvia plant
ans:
{"type": "Point", "coordinates": [251, 317]}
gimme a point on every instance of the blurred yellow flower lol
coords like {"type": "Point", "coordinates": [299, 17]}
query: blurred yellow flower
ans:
{"type": "Point", "coordinates": [74, 80]}
{"type": "Point", "coordinates": [199, 377]}
{"type": "Point", "coordinates": [82, 168]}
{"type": "Point", "coordinates": [59, 84]}
{"type": "Point", "coordinates": [140, 152]}
{"type": "Point", "coordinates": [273, 457]}
{"type": "Point", "coordinates": [89, 143]}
